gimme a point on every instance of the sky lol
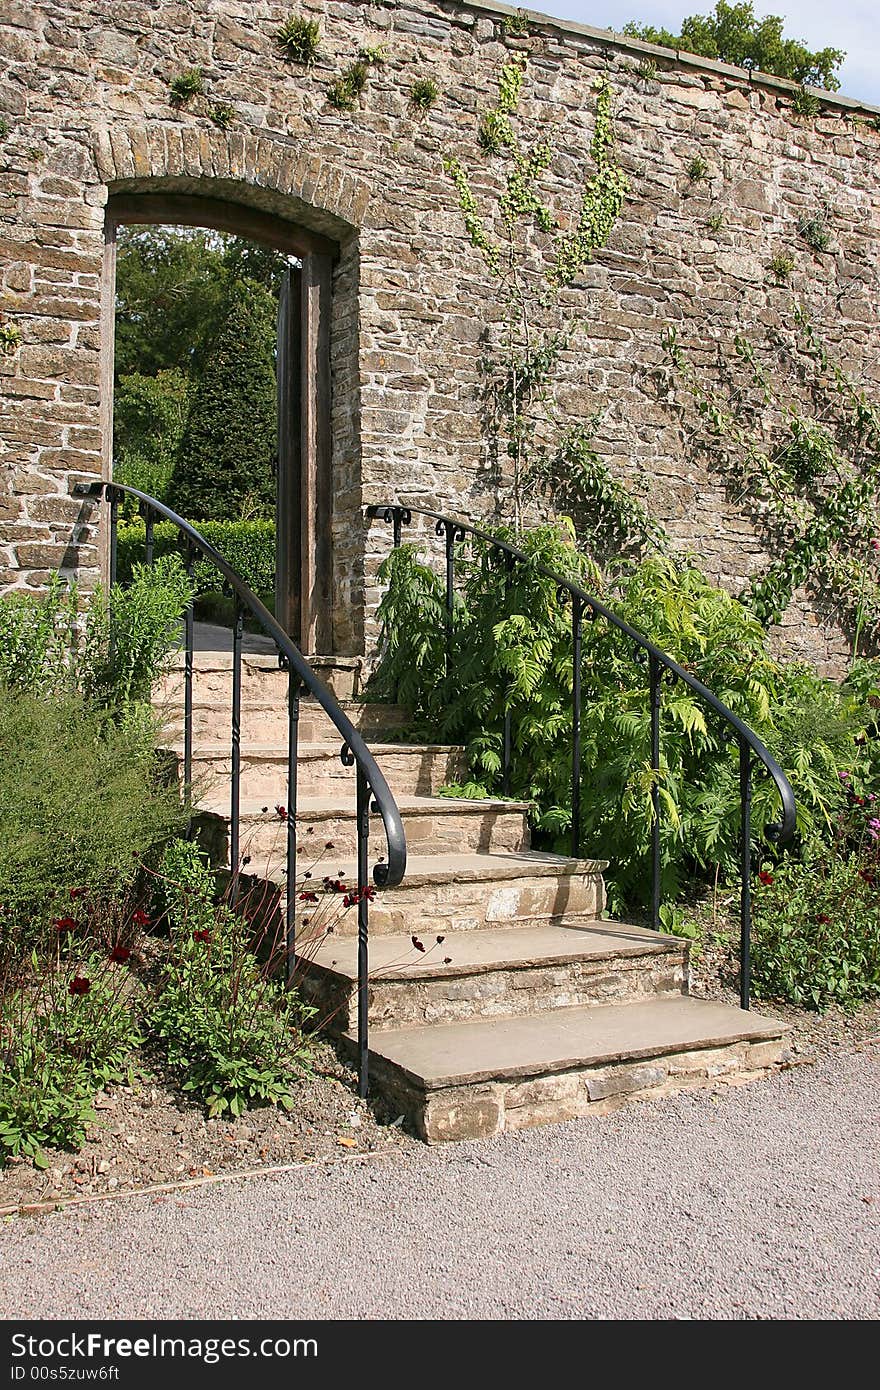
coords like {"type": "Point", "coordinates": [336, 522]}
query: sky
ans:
{"type": "Point", "coordinates": [853, 25]}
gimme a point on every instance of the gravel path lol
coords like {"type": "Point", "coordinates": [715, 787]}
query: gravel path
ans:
{"type": "Point", "coordinates": [758, 1202]}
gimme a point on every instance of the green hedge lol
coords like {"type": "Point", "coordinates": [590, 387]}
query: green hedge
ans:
{"type": "Point", "coordinates": [248, 546]}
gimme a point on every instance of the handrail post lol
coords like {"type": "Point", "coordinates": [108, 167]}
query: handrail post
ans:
{"type": "Point", "coordinates": [149, 523]}
{"type": "Point", "coordinates": [234, 810]}
{"type": "Point", "coordinates": [577, 632]}
{"type": "Point", "coordinates": [113, 501]}
{"type": "Point", "coordinates": [506, 740]}
{"type": "Point", "coordinates": [655, 679]}
{"type": "Point", "coordinates": [189, 643]}
{"type": "Point", "coordinates": [293, 687]}
{"type": "Point", "coordinates": [449, 529]}
{"type": "Point", "coordinates": [363, 906]}
{"type": "Point", "coordinates": [745, 892]}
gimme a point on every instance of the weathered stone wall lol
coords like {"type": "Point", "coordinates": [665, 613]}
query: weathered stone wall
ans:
{"type": "Point", "coordinates": [84, 90]}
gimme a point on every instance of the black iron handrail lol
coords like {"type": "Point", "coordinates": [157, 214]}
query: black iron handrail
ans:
{"type": "Point", "coordinates": [751, 748]}
{"type": "Point", "coordinates": [372, 790]}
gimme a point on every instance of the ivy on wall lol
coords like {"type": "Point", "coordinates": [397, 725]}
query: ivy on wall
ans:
{"type": "Point", "coordinates": [535, 252]}
{"type": "Point", "coordinates": [800, 447]}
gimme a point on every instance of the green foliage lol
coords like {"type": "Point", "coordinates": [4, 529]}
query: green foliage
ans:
{"type": "Point", "coordinates": [374, 55]}
{"type": "Point", "coordinates": [535, 254]}
{"type": "Point", "coordinates": [50, 646]}
{"type": "Point", "coordinates": [806, 104]}
{"type": "Point", "coordinates": [149, 417]}
{"type": "Point", "coordinates": [816, 926]}
{"type": "Point", "coordinates": [781, 267]}
{"type": "Point", "coordinates": [733, 34]}
{"type": "Point", "coordinates": [512, 653]}
{"type": "Point", "coordinates": [4, 127]}
{"type": "Point", "coordinates": [222, 115]}
{"type": "Point", "coordinates": [249, 546]}
{"type": "Point", "coordinates": [814, 229]}
{"type": "Point", "coordinates": [715, 222]}
{"type": "Point", "coordinates": [83, 799]}
{"type": "Point", "coordinates": [516, 26]}
{"type": "Point", "coordinates": [300, 39]}
{"type": "Point", "coordinates": [811, 474]}
{"type": "Point", "coordinates": [423, 93]}
{"type": "Point", "coordinates": [10, 337]}
{"type": "Point", "coordinates": [343, 93]}
{"type": "Point", "coordinates": [225, 465]}
{"type": "Point", "coordinates": [646, 69]}
{"type": "Point", "coordinates": [697, 169]}
{"type": "Point", "coordinates": [233, 1035]}
{"type": "Point", "coordinates": [185, 86]}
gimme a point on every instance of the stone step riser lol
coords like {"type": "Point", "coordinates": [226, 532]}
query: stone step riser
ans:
{"type": "Point", "coordinates": [265, 841]}
{"type": "Point", "coordinates": [267, 724]}
{"type": "Point", "coordinates": [437, 908]}
{"type": "Point", "coordinates": [264, 778]}
{"type": "Point", "coordinates": [503, 992]}
{"type": "Point", "coordinates": [483, 1110]}
{"type": "Point", "coordinates": [261, 679]}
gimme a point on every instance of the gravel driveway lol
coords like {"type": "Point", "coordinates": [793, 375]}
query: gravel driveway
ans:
{"type": "Point", "coordinates": [762, 1201]}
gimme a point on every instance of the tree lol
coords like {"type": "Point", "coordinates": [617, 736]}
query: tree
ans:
{"type": "Point", "coordinates": [226, 463]}
{"type": "Point", "coordinates": [732, 34]}
{"type": "Point", "coordinates": [149, 417]}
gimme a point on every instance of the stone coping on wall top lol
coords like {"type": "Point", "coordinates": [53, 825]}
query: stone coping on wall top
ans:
{"type": "Point", "coordinates": [672, 55]}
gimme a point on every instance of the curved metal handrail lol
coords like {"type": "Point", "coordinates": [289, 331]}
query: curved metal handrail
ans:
{"type": "Point", "coordinates": [783, 830]}
{"type": "Point", "coordinates": [385, 874]}
{"type": "Point", "coordinates": [752, 749]}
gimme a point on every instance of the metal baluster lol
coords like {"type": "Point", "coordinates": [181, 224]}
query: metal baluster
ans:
{"type": "Point", "coordinates": [506, 743]}
{"type": "Point", "coordinates": [293, 692]}
{"type": "Point", "coordinates": [449, 529]}
{"type": "Point", "coordinates": [745, 900]}
{"type": "Point", "coordinates": [577, 630]}
{"type": "Point", "coordinates": [655, 678]}
{"type": "Point", "coordinates": [113, 499]}
{"type": "Point", "coordinates": [363, 906]}
{"type": "Point", "coordinates": [149, 523]}
{"type": "Point", "coordinates": [188, 643]}
{"type": "Point", "coordinates": [396, 519]}
{"type": "Point", "coordinates": [237, 630]}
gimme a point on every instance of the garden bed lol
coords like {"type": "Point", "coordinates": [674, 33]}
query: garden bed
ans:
{"type": "Point", "coordinates": [148, 1134]}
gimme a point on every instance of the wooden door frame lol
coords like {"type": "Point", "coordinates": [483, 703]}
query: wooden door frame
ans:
{"type": "Point", "coordinates": [305, 547]}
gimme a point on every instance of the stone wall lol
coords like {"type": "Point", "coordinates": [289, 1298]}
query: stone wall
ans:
{"type": "Point", "coordinates": [84, 91]}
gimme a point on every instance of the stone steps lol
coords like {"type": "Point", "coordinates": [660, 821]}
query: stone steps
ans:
{"type": "Point", "coordinates": [410, 769]}
{"type": "Point", "coordinates": [264, 720]}
{"type": "Point", "coordinates": [463, 892]}
{"type": "Point", "coordinates": [491, 972]}
{"type": "Point", "coordinates": [476, 1079]}
{"type": "Point", "coordinates": [432, 824]}
{"type": "Point", "coordinates": [261, 676]}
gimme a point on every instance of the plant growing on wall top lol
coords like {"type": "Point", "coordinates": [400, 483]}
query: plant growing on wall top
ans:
{"type": "Point", "coordinates": [535, 252]}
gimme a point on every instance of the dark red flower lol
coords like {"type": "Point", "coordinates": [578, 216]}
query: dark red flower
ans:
{"type": "Point", "coordinates": [62, 924]}
{"type": "Point", "coordinates": [140, 918]}
{"type": "Point", "coordinates": [329, 845]}
{"type": "Point", "coordinates": [79, 985]}
{"type": "Point", "coordinates": [823, 919]}
{"type": "Point", "coordinates": [447, 960]}
{"type": "Point", "coordinates": [77, 893]}
{"type": "Point", "coordinates": [120, 954]}
{"type": "Point", "coordinates": [440, 940]}
{"type": "Point", "coordinates": [765, 877]}
{"type": "Point", "coordinates": [281, 812]}
{"type": "Point", "coordinates": [416, 943]}
{"type": "Point", "coordinates": [203, 935]}
{"type": "Point", "coordinates": [308, 897]}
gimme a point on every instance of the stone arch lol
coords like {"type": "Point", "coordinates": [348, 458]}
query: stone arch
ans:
{"type": "Point", "coordinates": [269, 188]}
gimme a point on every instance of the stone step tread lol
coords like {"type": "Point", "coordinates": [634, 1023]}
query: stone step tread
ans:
{"type": "Point", "coordinates": [428, 870]}
{"type": "Point", "coordinates": [459, 1054]}
{"type": "Point", "coordinates": [491, 948]}
{"type": "Point", "coordinates": [276, 752]}
{"type": "Point", "coordinates": [339, 806]}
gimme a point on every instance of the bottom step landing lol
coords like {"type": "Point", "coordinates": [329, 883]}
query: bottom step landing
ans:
{"type": "Point", "coordinates": [476, 1079]}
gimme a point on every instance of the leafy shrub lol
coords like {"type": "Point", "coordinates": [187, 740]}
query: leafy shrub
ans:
{"type": "Point", "coordinates": [512, 652]}
{"type": "Point", "coordinates": [816, 927]}
{"type": "Point", "coordinates": [185, 86]}
{"type": "Point", "coordinates": [300, 39]}
{"type": "Point", "coordinates": [84, 798]}
{"type": "Point", "coordinates": [233, 1034]}
{"type": "Point", "coordinates": [111, 652]}
{"type": "Point", "coordinates": [63, 1034]}
{"type": "Point", "coordinates": [149, 417]}
{"type": "Point", "coordinates": [423, 94]}
{"type": "Point", "coordinates": [249, 546]}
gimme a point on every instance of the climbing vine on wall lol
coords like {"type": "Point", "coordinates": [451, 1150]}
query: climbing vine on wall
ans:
{"type": "Point", "coordinates": [811, 477]}
{"type": "Point", "coordinates": [535, 252]}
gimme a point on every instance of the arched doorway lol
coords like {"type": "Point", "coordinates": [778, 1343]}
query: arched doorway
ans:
{"type": "Point", "coordinates": [304, 552]}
